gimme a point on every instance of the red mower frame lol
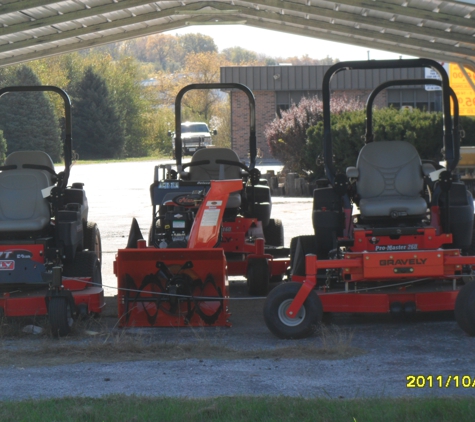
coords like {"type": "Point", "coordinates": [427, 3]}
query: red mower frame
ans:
{"type": "Point", "coordinates": [53, 270]}
{"type": "Point", "coordinates": [392, 265]}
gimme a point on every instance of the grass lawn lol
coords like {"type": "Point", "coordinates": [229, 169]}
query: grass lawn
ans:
{"type": "Point", "coordinates": [229, 409]}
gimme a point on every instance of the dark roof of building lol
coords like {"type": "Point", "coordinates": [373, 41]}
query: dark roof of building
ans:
{"type": "Point", "coordinates": [309, 78]}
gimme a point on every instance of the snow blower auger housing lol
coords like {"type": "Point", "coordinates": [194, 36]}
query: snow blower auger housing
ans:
{"type": "Point", "coordinates": [49, 252]}
{"type": "Point", "coordinates": [405, 251]}
{"type": "Point", "coordinates": [178, 286]}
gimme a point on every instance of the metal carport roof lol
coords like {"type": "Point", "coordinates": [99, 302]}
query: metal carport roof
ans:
{"type": "Point", "coordinates": [441, 30]}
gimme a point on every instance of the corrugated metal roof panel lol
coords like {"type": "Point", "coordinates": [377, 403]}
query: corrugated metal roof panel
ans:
{"type": "Point", "coordinates": [442, 30]}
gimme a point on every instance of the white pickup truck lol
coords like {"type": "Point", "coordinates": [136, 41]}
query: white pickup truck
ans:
{"type": "Point", "coordinates": [194, 136]}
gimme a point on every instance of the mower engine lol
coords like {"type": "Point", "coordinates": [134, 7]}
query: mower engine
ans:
{"type": "Point", "coordinates": [176, 224]}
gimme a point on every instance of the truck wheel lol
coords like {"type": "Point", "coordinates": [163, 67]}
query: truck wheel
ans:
{"type": "Point", "coordinates": [85, 264]}
{"type": "Point", "coordinates": [465, 308]}
{"type": "Point", "coordinates": [258, 276]}
{"type": "Point", "coordinates": [60, 316]}
{"type": "Point", "coordinates": [274, 233]}
{"type": "Point", "coordinates": [283, 326]}
{"type": "Point", "coordinates": [92, 239]}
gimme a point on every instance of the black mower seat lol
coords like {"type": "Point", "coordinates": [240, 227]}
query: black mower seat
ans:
{"type": "Point", "coordinates": [214, 171]}
{"type": "Point", "coordinates": [22, 205]}
{"type": "Point", "coordinates": [389, 180]}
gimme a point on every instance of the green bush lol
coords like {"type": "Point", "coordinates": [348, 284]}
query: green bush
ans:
{"type": "Point", "coordinates": [287, 136]}
{"type": "Point", "coordinates": [422, 129]}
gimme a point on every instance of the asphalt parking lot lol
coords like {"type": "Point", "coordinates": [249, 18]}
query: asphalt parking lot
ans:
{"type": "Point", "coordinates": [387, 351]}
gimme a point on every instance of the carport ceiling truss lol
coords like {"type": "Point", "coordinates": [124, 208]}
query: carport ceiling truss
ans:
{"type": "Point", "coordinates": [441, 30]}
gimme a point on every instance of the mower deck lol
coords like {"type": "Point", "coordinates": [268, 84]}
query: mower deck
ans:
{"type": "Point", "coordinates": [33, 303]}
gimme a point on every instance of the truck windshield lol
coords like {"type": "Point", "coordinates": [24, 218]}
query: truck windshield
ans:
{"type": "Point", "coordinates": [196, 127]}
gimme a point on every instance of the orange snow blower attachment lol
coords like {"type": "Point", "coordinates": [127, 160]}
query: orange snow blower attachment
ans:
{"type": "Point", "coordinates": [176, 287]}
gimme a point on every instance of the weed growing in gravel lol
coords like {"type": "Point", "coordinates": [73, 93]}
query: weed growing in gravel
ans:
{"type": "Point", "coordinates": [336, 340]}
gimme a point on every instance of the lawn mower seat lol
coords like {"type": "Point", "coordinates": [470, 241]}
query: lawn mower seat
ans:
{"type": "Point", "coordinates": [22, 205]}
{"type": "Point", "coordinates": [389, 180]}
{"type": "Point", "coordinates": [214, 171]}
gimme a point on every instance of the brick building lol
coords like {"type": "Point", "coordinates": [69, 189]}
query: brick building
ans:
{"type": "Point", "coordinates": [276, 88]}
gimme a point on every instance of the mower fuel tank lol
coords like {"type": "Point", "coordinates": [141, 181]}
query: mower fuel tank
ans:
{"type": "Point", "coordinates": [461, 211]}
{"type": "Point", "coordinates": [69, 229]}
{"type": "Point", "coordinates": [327, 219]}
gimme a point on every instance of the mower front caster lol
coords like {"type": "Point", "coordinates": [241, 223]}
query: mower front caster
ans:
{"type": "Point", "coordinates": [60, 316]}
{"type": "Point", "coordinates": [465, 308]}
{"type": "Point", "coordinates": [283, 326]}
{"type": "Point", "coordinates": [258, 276]}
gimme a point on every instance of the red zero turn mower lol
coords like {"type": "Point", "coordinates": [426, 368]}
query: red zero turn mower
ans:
{"type": "Point", "coordinates": [49, 253]}
{"type": "Point", "coordinates": [208, 223]}
{"type": "Point", "coordinates": [406, 250]}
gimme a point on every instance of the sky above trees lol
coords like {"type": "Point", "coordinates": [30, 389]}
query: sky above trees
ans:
{"type": "Point", "coordinates": [273, 43]}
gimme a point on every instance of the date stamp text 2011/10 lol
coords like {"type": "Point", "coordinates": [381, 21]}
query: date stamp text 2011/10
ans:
{"type": "Point", "coordinates": [440, 381]}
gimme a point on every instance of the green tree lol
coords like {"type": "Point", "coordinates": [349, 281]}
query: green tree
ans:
{"type": "Point", "coordinates": [27, 119]}
{"type": "Point", "coordinates": [97, 131]}
{"type": "Point", "coordinates": [202, 68]}
{"type": "Point", "coordinates": [3, 147]}
{"type": "Point", "coordinates": [123, 78]}
{"type": "Point", "coordinates": [197, 43]}
{"type": "Point", "coordinates": [239, 55]}
{"type": "Point", "coordinates": [164, 50]}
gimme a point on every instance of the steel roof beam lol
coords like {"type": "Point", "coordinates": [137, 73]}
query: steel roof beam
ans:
{"type": "Point", "coordinates": [410, 11]}
{"type": "Point", "coordinates": [392, 38]}
{"type": "Point", "coordinates": [368, 43]}
{"type": "Point", "coordinates": [18, 6]}
{"type": "Point", "coordinates": [366, 20]}
{"type": "Point", "coordinates": [71, 16]}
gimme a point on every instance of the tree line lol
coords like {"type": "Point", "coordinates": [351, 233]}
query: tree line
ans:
{"type": "Point", "coordinates": [122, 96]}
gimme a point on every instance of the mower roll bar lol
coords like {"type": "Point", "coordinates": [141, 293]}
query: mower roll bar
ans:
{"type": "Point", "coordinates": [230, 85]}
{"type": "Point", "coordinates": [68, 142]}
{"type": "Point", "coordinates": [401, 82]}
{"type": "Point", "coordinates": [450, 156]}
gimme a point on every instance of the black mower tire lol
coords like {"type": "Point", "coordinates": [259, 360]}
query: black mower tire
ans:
{"type": "Point", "coordinates": [281, 325]}
{"type": "Point", "coordinates": [60, 316]}
{"type": "Point", "coordinates": [465, 308]}
{"type": "Point", "coordinates": [274, 233]}
{"type": "Point", "coordinates": [85, 264]}
{"type": "Point", "coordinates": [92, 239]}
{"type": "Point", "coordinates": [258, 277]}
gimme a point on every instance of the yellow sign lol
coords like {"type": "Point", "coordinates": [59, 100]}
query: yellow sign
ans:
{"type": "Point", "coordinates": [463, 90]}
